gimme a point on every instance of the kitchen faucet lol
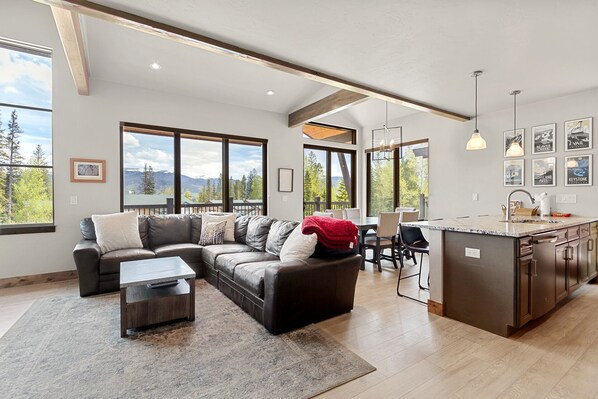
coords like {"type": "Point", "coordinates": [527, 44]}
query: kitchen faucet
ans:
{"type": "Point", "coordinates": [508, 210]}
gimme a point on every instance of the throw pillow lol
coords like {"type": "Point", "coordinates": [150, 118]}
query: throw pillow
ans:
{"type": "Point", "coordinates": [229, 218]}
{"type": "Point", "coordinates": [298, 246]}
{"type": "Point", "coordinates": [212, 233]}
{"type": "Point", "coordinates": [117, 231]}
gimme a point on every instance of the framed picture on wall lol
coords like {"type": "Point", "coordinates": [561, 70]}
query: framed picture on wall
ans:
{"type": "Point", "coordinates": [578, 170]}
{"type": "Point", "coordinates": [578, 134]}
{"type": "Point", "coordinates": [285, 180]}
{"type": "Point", "coordinates": [544, 139]}
{"type": "Point", "coordinates": [513, 173]}
{"type": "Point", "coordinates": [543, 172]}
{"type": "Point", "coordinates": [511, 136]}
{"type": "Point", "coordinates": [88, 170]}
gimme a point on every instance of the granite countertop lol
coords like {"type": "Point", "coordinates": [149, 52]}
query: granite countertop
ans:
{"type": "Point", "coordinates": [493, 225]}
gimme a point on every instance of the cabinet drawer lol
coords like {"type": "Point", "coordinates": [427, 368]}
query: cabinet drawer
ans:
{"type": "Point", "coordinates": [594, 228]}
{"type": "Point", "coordinates": [561, 236]}
{"type": "Point", "coordinates": [572, 233]}
{"type": "Point", "coordinates": [584, 230]}
{"type": "Point", "coordinates": [525, 246]}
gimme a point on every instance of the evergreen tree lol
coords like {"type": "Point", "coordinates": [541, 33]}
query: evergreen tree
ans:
{"type": "Point", "coordinates": [341, 192]}
{"type": "Point", "coordinates": [32, 194]}
{"type": "Point", "coordinates": [255, 191]}
{"type": "Point", "coordinates": [243, 187]}
{"type": "Point", "coordinates": [3, 159]}
{"type": "Point", "coordinates": [217, 193]}
{"type": "Point", "coordinates": [12, 147]}
{"type": "Point", "coordinates": [148, 181]}
{"type": "Point", "coordinates": [308, 192]}
{"type": "Point", "coordinates": [188, 196]}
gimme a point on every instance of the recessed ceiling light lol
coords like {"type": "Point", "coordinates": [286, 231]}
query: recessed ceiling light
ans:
{"type": "Point", "coordinates": [155, 66]}
{"type": "Point", "coordinates": [270, 92]}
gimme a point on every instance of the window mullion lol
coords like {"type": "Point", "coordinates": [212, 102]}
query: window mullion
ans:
{"type": "Point", "coordinates": [177, 173]}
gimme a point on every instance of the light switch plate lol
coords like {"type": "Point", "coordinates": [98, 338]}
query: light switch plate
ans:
{"type": "Point", "coordinates": [566, 199]}
{"type": "Point", "coordinates": [74, 200]}
{"type": "Point", "coordinates": [472, 253]}
{"type": "Point", "coordinates": [475, 197]}
{"type": "Point", "coordinates": [285, 198]}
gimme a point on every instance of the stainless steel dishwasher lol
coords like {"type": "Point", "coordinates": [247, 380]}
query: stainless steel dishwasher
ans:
{"type": "Point", "coordinates": [543, 272]}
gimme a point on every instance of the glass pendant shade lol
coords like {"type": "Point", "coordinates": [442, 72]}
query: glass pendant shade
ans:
{"type": "Point", "coordinates": [515, 150]}
{"type": "Point", "coordinates": [476, 142]}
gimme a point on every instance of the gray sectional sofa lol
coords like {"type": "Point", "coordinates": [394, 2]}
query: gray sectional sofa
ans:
{"type": "Point", "coordinates": [280, 295]}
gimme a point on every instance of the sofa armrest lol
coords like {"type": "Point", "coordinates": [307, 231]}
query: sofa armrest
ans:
{"type": "Point", "coordinates": [87, 259]}
{"type": "Point", "coordinates": [297, 293]}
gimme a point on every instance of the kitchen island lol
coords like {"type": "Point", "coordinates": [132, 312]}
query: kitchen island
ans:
{"type": "Point", "coordinates": [499, 275]}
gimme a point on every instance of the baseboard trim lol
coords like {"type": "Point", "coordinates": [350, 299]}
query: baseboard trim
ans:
{"type": "Point", "coordinates": [37, 279]}
{"type": "Point", "coordinates": [435, 308]}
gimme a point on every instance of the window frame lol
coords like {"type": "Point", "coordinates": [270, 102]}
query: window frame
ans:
{"type": "Point", "coordinates": [329, 150]}
{"type": "Point", "coordinates": [177, 134]}
{"type": "Point", "coordinates": [31, 228]}
{"type": "Point", "coordinates": [396, 176]}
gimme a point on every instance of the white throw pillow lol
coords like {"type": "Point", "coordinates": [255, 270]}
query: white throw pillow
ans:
{"type": "Point", "coordinates": [117, 231]}
{"type": "Point", "coordinates": [229, 218]}
{"type": "Point", "coordinates": [298, 246]}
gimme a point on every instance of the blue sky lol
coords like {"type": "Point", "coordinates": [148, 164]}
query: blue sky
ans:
{"type": "Point", "coordinates": [200, 158]}
{"type": "Point", "coordinates": [26, 79]}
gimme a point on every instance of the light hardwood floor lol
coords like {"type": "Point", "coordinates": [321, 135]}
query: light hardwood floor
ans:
{"type": "Point", "coordinates": [420, 355]}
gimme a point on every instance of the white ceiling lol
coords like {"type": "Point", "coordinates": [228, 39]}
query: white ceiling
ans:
{"type": "Point", "coordinates": [421, 49]}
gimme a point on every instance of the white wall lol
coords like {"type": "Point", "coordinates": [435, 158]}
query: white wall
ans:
{"type": "Point", "coordinates": [455, 174]}
{"type": "Point", "coordinates": [88, 127]}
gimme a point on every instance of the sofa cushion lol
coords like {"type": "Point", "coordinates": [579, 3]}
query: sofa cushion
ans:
{"type": "Point", "coordinates": [210, 253]}
{"type": "Point", "coordinates": [241, 228]}
{"type": "Point", "coordinates": [228, 262]}
{"type": "Point", "coordinates": [189, 252]}
{"type": "Point", "coordinates": [117, 231]}
{"type": "Point", "coordinates": [195, 228]}
{"type": "Point", "coordinates": [279, 232]}
{"type": "Point", "coordinates": [257, 232]}
{"type": "Point", "coordinates": [110, 261]}
{"type": "Point", "coordinates": [88, 230]}
{"type": "Point", "coordinates": [169, 229]}
{"type": "Point", "coordinates": [298, 246]}
{"type": "Point", "coordinates": [229, 218]}
{"type": "Point", "coordinates": [251, 276]}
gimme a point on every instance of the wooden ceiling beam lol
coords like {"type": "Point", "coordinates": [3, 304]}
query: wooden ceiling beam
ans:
{"type": "Point", "coordinates": [335, 102]}
{"type": "Point", "coordinates": [69, 30]}
{"type": "Point", "coordinates": [186, 37]}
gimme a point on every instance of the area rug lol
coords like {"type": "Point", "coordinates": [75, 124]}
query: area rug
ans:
{"type": "Point", "coordinates": [70, 347]}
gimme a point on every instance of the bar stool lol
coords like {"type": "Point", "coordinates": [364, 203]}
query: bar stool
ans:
{"type": "Point", "coordinates": [413, 241]}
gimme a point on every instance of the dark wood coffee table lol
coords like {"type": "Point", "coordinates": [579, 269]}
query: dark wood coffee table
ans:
{"type": "Point", "coordinates": [143, 305]}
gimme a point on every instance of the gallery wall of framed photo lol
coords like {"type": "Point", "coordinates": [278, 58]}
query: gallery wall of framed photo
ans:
{"type": "Point", "coordinates": [573, 136]}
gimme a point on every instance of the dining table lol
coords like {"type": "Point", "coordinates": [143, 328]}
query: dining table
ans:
{"type": "Point", "coordinates": [364, 224]}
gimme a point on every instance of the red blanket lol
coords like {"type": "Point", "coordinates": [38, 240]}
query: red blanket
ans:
{"type": "Point", "coordinates": [332, 233]}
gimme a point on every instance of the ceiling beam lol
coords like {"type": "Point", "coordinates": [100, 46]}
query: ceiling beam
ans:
{"type": "Point", "coordinates": [335, 102]}
{"type": "Point", "coordinates": [69, 30]}
{"type": "Point", "coordinates": [186, 37]}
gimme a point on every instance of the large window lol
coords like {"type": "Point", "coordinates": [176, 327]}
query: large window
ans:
{"type": "Point", "coordinates": [181, 171]}
{"type": "Point", "coordinates": [26, 185]}
{"type": "Point", "coordinates": [327, 179]}
{"type": "Point", "coordinates": [400, 181]}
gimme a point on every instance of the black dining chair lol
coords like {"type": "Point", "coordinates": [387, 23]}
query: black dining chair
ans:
{"type": "Point", "coordinates": [413, 241]}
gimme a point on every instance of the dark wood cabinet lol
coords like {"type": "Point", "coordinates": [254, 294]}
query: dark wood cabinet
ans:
{"type": "Point", "coordinates": [524, 289]}
{"type": "Point", "coordinates": [573, 281]}
{"type": "Point", "coordinates": [562, 254]}
{"type": "Point", "coordinates": [585, 246]}
{"type": "Point", "coordinates": [593, 251]}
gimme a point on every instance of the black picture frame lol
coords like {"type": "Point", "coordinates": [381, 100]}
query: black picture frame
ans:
{"type": "Point", "coordinates": [285, 180]}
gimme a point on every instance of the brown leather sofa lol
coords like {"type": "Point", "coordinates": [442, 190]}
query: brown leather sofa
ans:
{"type": "Point", "coordinates": [280, 295]}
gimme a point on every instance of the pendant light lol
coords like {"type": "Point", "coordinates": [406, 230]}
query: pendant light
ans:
{"type": "Point", "coordinates": [386, 146]}
{"type": "Point", "coordinates": [476, 142]}
{"type": "Point", "coordinates": [515, 149]}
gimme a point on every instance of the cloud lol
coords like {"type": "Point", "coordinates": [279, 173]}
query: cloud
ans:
{"type": "Point", "coordinates": [26, 75]}
{"type": "Point", "coordinates": [131, 141]}
{"type": "Point", "coordinates": [11, 90]}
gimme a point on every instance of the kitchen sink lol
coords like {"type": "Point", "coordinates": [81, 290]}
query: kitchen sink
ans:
{"type": "Point", "coordinates": [533, 221]}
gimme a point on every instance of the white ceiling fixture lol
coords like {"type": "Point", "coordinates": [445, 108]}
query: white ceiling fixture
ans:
{"type": "Point", "coordinates": [270, 92]}
{"type": "Point", "coordinates": [515, 149]}
{"type": "Point", "coordinates": [155, 66]}
{"type": "Point", "coordinates": [476, 142]}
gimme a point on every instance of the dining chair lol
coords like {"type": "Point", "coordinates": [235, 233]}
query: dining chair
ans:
{"type": "Point", "coordinates": [336, 213]}
{"type": "Point", "coordinates": [413, 241]}
{"type": "Point", "coordinates": [406, 216]}
{"type": "Point", "coordinates": [352, 213]}
{"type": "Point", "coordinates": [324, 214]}
{"type": "Point", "coordinates": [385, 238]}
{"type": "Point", "coordinates": [404, 209]}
